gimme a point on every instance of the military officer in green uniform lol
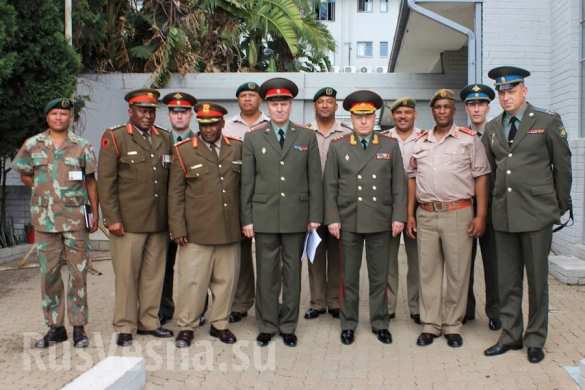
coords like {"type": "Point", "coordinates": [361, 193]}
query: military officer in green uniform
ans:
{"type": "Point", "coordinates": [477, 98]}
{"type": "Point", "coordinates": [133, 174]}
{"type": "Point", "coordinates": [180, 106]}
{"type": "Point", "coordinates": [59, 167]}
{"type": "Point", "coordinates": [365, 198]}
{"type": "Point", "coordinates": [529, 152]}
{"type": "Point", "coordinates": [282, 198]}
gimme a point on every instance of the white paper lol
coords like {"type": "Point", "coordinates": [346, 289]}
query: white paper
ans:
{"type": "Point", "coordinates": [75, 175]}
{"type": "Point", "coordinates": [312, 241]}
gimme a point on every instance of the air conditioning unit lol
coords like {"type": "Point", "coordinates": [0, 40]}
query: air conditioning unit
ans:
{"type": "Point", "coordinates": [349, 69]}
{"type": "Point", "coordinates": [380, 69]}
{"type": "Point", "coordinates": [364, 69]}
{"type": "Point", "coordinates": [336, 69]}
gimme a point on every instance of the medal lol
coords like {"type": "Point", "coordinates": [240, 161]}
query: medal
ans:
{"type": "Point", "coordinates": [346, 157]}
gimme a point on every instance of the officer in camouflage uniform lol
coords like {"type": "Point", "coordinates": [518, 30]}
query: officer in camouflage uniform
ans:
{"type": "Point", "coordinates": [59, 166]}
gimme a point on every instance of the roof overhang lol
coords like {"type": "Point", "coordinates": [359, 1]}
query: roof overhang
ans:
{"type": "Point", "coordinates": [420, 40]}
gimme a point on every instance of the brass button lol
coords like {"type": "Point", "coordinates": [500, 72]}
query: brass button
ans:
{"type": "Point", "coordinates": [509, 189]}
{"type": "Point", "coordinates": [282, 194]}
{"type": "Point", "coordinates": [373, 176]}
{"type": "Point", "coordinates": [374, 188]}
{"type": "Point", "coordinates": [359, 177]}
{"type": "Point", "coordinates": [374, 198]}
{"type": "Point", "coordinates": [508, 172]}
{"type": "Point", "coordinates": [282, 178]}
{"type": "Point", "coordinates": [221, 178]}
{"type": "Point", "coordinates": [219, 166]}
{"type": "Point", "coordinates": [359, 188]}
{"type": "Point", "coordinates": [359, 199]}
{"type": "Point", "coordinates": [282, 163]}
{"type": "Point", "coordinates": [510, 155]}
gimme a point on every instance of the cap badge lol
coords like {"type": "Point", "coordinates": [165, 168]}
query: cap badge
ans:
{"type": "Point", "coordinates": [476, 88]}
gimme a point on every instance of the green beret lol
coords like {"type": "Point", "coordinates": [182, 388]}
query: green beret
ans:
{"type": "Point", "coordinates": [442, 94]}
{"type": "Point", "coordinates": [403, 102]}
{"type": "Point", "coordinates": [59, 103]}
{"type": "Point", "coordinates": [249, 86]}
{"type": "Point", "coordinates": [327, 91]}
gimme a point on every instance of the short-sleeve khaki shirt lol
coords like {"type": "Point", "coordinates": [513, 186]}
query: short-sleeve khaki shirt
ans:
{"type": "Point", "coordinates": [237, 128]}
{"type": "Point", "coordinates": [338, 130]}
{"type": "Point", "coordinates": [406, 146]}
{"type": "Point", "coordinates": [58, 192]}
{"type": "Point", "coordinates": [445, 169]}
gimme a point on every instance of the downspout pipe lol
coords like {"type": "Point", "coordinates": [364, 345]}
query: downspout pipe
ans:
{"type": "Point", "coordinates": [472, 77]}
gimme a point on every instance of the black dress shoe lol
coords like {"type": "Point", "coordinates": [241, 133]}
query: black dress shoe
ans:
{"type": "Point", "coordinates": [236, 316]}
{"type": "Point", "coordinates": [383, 335]}
{"type": "Point", "coordinates": [289, 339]}
{"type": "Point", "coordinates": [334, 313]}
{"type": "Point", "coordinates": [55, 334]}
{"type": "Point", "coordinates": [495, 324]}
{"type": "Point", "coordinates": [263, 339]}
{"type": "Point", "coordinates": [80, 339]}
{"type": "Point", "coordinates": [535, 354]}
{"type": "Point", "coordinates": [425, 339]}
{"type": "Point", "coordinates": [314, 313]}
{"type": "Point", "coordinates": [224, 335]}
{"type": "Point", "coordinates": [416, 318]}
{"type": "Point", "coordinates": [184, 339]}
{"type": "Point", "coordinates": [347, 336]}
{"type": "Point", "coordinates": [124, 339]}
{"type": "Point", "coordinates": [498, 349]}
{"type": "Point", "coordinates": [454, 340]}
{"type": "Point", "coordinates": [159, 332]}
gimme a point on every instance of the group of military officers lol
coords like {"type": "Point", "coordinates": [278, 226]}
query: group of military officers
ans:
{"type": "Point", "coordinates": [191, 202]}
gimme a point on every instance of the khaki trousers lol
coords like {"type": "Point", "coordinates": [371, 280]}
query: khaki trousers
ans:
{"type": "Point", "coordinates": [139, 266]}
{"type": "Point", "coordinates": [324, 273]}
{"type": "Point", "coordinates": [244, 299]}
{"type": "Point", "coordinates": [203, 267]}
{"type": "Point", "coordinates": [444, 254]}
{"type": "Point", "coordinates": [412, 275]}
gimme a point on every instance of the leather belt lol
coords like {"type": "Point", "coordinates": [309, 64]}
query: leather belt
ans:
{"type": "Point", "coordinates": [446, 206]}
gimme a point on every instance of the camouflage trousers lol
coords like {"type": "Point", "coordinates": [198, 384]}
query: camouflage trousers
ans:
{"type": "Point", "coordinates": [72, 248]}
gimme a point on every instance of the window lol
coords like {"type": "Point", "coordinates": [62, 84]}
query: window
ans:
{"type": "Point", "coordinates": [383, 6]}
{"type": "Point", "coordinates": [383, 49]}
{"type": "Point", "coordinates": [365, 5]}
{"type": "Point", "coordinates": [325, 10]}
{"type": "Point", "coordinates": [365, 49]}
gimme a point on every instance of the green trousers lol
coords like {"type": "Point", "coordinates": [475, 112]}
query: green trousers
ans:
{"type": "Point", "coordinates": [244, 298]}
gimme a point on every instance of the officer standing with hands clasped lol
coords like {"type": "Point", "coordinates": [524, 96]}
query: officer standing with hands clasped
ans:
{"type": "Point", "coordinates": [204, 218]}
{"type": "Point", "coordinates": [365, 198]}
{"type": "Point", "coordinates": [133, 173]}
{"type": "Point", "coordinates": [59, 167]}
{"type": "Point", "coordinates": [529, 152]}
{"type": "Point", "coordinates": [282, 199]}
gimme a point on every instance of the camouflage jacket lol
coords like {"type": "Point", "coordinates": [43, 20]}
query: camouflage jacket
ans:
{"type": "Point", "coordinates": [58, 192]}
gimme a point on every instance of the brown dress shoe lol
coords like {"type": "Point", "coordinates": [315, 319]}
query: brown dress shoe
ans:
{"type": "Point", "coordinates": [224, 335]}
{"type": "Point", "coordinates": [184, 339]}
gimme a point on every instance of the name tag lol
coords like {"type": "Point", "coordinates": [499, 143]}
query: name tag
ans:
{"type": "Point", "coordinates": [38, 155]}
{"type": "Point", "coordinates": [301, 148]}
{"type": "Point", "coordinates": [132, 153]}
{"type": "Point", "coordinates": [237, 162]}
{"type": "Point", "coordinates": [536, 131]}
{"type": "Point", "coordinates": [196, 166]}
{"type": "Point", "coordinates": [166, 158]}
{"type": "Point", "coordinates": [382, 156]}
{"type": "Point", "coordinates": [75, 175]}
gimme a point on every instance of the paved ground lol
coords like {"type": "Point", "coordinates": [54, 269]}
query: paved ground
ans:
{"type": "Point", "coordinates": [320, 361]}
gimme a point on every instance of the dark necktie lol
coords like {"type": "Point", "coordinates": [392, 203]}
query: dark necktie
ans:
{"type": "Point", "coordinates": [364, 144]}
{"type": "Point", "coordinates": [513, 129]}
{"type": "Point", "coordinates": [281, 137]}
{"type": "Point", "coordinates": [213, 148]}
{"type": "Point", "coordinates": [179, 139]}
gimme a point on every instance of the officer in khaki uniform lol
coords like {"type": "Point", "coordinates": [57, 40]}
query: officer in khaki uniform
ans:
{"type": "Point", "coordinates": [180, 106]}
{"type": "Point", "coordinates": [282, 198]}
{"type": "Point", "coordinates": [477, 98]}
{"type": "Point", "coordinates": [529, 152]}
{"type": "Point", "coordinates": [405, 133]}
{"type": "Point", "coordinates": [133, 172]}
{"type": "Point", "coordinates": [324, 271]}
{"type": "Point", "coordinates": [365, 202]}
{"type": "Point", "coordinates": [204, 218]}
{"type": "Point", "coordinates": [59, 167]}
{"type": "Point", "coordinates": [238, 126]}
{"type": "Point", "coordinates": [447, 169]}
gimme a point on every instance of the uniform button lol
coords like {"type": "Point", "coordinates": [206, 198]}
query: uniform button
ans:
{"type": "Point", "coordinates": [509, 189]}
{"type": "Point", "coordinates": [374, 188]}
{"type": "Point", "coordinates": [223, 191]}
{"type": "Point", "coordinates": [282, 194]}
{"type": "Point", "coordinates": [508, 172]}
{"type": "Point", "coordinates": [510, 155]}
{"type": "Point", "coordinates": [154, 168]}
{"type": "Point", "coordinates": [373, 176]}
{"type": "Point", "coordinates": [221, 178]}
{"type": "Point", "coordinates": [156, 195]}
{"type": "Point", "coordinates": [132, 161]}
{"type": "Point", "coordinates": [156, 182]}
{"type": "Point", "coordinates": [359, 188]}
{"type": "Point", "coordinates": [197, 174]}
{"type": "Point", "coordinates": [219, 166]}
{"type": "Point", "coordinates": [225, 205]}
{"type": "Point", "coordinates": [282, 163]}
{"type": "Point", "coordinates": [374, 198]}
{"type": "Point", "coordinates": [152, 156]}
{"type": "Point", "coordinates": [359, 198]}
{"type": "Point", "coordinates": [359, 177]}
{"type": "Point", "coordinates": [282, 178]}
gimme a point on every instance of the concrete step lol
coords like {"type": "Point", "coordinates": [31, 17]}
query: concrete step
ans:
{"type": "Point", "coordinates": [567, 269]}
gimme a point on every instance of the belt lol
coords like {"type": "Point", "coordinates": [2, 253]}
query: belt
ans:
{"type": "Point", "coordinates": [446, 206]}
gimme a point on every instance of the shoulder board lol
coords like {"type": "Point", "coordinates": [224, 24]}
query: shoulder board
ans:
{"type": "Point", "coordinates": [421, 135]}
{"type": "Point", "coordinates": [467, 131]}
{"type": "Point", "coordinates": [229, 138]}
{"type": "Point", "coordinates": [545, 111]}
{"type": "Point", "coordinates": [344, 138]}
{"type": "Point", "coordinates": [161, 129]}
{"type": "Point", "coordinates": [343, 124]}
{"type": "Point", "coordinates": [308, 125]}
{"type": "Point", "coordinates": [259, 126]}
{"type": "Point", "coordinates": [117, 127]}
{"type": "Point", "coordinates": [182, 142]}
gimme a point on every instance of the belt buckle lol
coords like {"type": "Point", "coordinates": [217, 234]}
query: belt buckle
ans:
{"type": "Point", "coordinates": [437, 206]}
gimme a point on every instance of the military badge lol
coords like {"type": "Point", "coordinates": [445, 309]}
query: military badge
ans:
{"type": "Point", "coordinates": [535, 131]}
{"type": "Point", "coordinates": [476, 88]}
{"type": "Point", "coordinates": [346, 157]}
{"type": "Point", "coordinates": [382, 156]}
{"type": "Point", "coordinates": [563, 132]}
{"type": "Point", "coordinates": [301, 148]}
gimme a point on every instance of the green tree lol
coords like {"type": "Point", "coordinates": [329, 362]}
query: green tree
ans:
{"type": "Point", "coordinates": [45, 68]}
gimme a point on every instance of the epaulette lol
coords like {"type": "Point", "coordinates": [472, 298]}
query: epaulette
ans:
{"type": "Point", "coordinates": [161, 129]}
{"type": "Point", "coordinates": [117, 127]}
{"type": "Point", "coordinates": [421, 135]}
{"type": "Point", "coordinates": [105, 141]}
{"type": "Point", "coordinates": [182, 142]}
{"type": "Point", "coordinates": [178, 154]}
{"type": "Point", "coordinates": [346, 125]}
{"type": "Point", "coordinates": [545, 111]}
{"type": "Point", "coordinates": [259, 126]}
{"type": "Point", "coordinates": [344, 138]}
{"type": "Point", "coordinates": [308, 125]}
{"type": "Point", "coordinates": [467, 131]}
{"type": "Point", "coordinates": [228, 138]}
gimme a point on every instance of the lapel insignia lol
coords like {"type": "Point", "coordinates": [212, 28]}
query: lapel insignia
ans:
{"type": "Point", "coordinates": [346, 157]}
{"type": "Point", "coordinates": [375, 140]}
{"type": "Point", "coordinates": [535, 131]}
{"type": "Point", "coordinates": [353, 141]}
{"type": "Point", "coordinates": [263, 150]}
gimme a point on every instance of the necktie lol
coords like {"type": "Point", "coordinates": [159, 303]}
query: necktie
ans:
{"type": "Point", "coordinates": [179, 139]}
{"type": "Point", "coordinates": [364, 144]}
{"type": "Point", "coordinates": [281, 137]}
{"type": "Point", "coordinates": [213, 147]}
{"type": "Point", "coordinates": [513, 129]}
